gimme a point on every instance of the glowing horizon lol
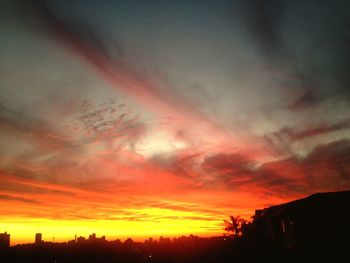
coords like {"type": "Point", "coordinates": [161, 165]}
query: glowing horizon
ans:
{"type": "Point", "coordinates": [63, 231]}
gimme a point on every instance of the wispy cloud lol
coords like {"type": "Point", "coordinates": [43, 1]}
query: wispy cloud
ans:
{"type": "Point", "coordinates": [243, 107]}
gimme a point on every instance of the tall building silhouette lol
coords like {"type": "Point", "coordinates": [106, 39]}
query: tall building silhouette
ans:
{"type": "Point", "coordinates": [92, 237]}
{"type": "Point", "coordinates": [4, 240]}
{"type": "Point", "coordinates": [38, 238]}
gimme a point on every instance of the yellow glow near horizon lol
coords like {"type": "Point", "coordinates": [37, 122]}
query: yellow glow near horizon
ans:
{"type": "Point", "coordinates": [155, 222]}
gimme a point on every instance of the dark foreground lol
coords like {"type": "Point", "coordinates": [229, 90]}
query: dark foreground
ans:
{"type": "Point", "coordinates": [186, 250]}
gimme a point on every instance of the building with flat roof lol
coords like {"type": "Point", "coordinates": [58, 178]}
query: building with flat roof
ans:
{"type": "Point", "coordinates": [38, 238]}
{"type": "Point", "coordinates": [321, 219]}
{"type": "Point", "coordinates": [4, 240]}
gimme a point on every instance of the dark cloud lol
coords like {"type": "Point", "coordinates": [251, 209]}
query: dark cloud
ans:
{"type": "Point", "coordinates": [264, 18]}
{"type": "Point", "coordinates": [306, 99]}
{"type": "Point", "coordinates": [295, 134]}
{"type": "Point", "coordinates": [282, 178]}
{"type": "Point", "coordinates": [229, 164]}
{"type": "Point", "coordinates": [307, 42]}
{"type": "Point", "coordinates": [20, 188]}
{"type": "Point", "coordinates": [333, 163]}
{"type": "Point", "coordinates": [326, 168]}
{"type": "Point", "coordinates": [96, 47]}
{"type": "Point", "coordinates": [237, 172]}
{"type": "Point", "coordinates": [81, 37]}
{"type": "Point", "coordinates": [339, 150]}
{"type": "Point", "coordinates": [182, 165]}
{"type": "Point", "coordinates": [231, 170]}
{"type": "Point", "coordinates": [17, 199]}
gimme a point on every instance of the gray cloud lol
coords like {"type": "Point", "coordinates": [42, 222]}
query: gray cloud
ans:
{"type": "Point", "coordinates": [326, 168]}
{"type": "Point", "coordinates": [18, 199]}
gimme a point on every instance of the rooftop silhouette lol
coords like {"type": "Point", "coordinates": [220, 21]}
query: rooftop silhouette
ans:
{"type": "Point", "coordinates": [4, 240]}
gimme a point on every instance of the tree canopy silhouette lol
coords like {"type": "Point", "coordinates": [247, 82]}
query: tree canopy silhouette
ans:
{"type": "Point", "coordinates": [234, 225]}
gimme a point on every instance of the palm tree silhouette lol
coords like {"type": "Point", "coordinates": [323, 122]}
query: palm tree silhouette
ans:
{"type": "Point", "coordinates": [234, 225]}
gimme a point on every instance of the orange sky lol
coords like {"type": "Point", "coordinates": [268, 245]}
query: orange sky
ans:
{"type": "Point", "coordinates": [153, 121]}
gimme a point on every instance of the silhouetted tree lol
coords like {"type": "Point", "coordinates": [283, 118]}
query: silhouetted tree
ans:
{"type": "Point", "coordinates": [129, 242]}
{"type": "Point", "coordinates": [234, 225]}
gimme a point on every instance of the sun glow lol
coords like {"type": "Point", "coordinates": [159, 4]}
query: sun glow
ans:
{"type": "Point", "coordinates": [136, 223]}
{"type": "Point", "coordinates": [159, 143]}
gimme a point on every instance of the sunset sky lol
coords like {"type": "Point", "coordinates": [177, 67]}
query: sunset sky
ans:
{"type": "Point", "coordinates": [148, 118]}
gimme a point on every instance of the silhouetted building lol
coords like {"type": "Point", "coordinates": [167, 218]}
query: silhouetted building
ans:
{"type": "Point", "coordinates": [4, 240]}
{"type": "Point", "coordinates": [321, 219]}
{"type": "Point", "coordinates": [38, 238]}
{"type": "Point", "coordinates": [92, 237]}
{"type": "Point", "coordinates": [81, 239]}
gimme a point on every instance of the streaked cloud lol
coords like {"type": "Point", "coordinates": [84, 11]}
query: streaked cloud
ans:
{"type": "Point", "coordinates": [170, 115]}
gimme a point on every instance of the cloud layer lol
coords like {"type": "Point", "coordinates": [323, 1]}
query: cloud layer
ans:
{"type": "Point", "coordinates": [168, 115]}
